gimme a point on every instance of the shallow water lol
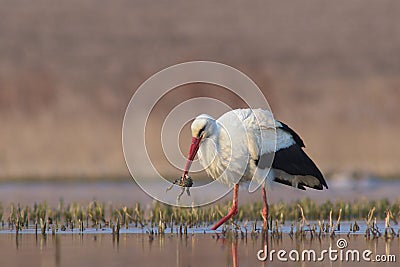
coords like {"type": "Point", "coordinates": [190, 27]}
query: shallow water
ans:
{"type": "Point", "coordinates": [136, 247]}
{"type": "Point", "coordinates": [201, 247]}
{"type": "Point", "coordinates": [170, 250]}
{"type": "Point", "coordinates": [286, 228]}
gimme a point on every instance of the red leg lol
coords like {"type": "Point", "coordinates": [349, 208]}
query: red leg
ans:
{"type": "Point", "coordinates": [233, 211]}
{"type": "Point", "coordinates": [264, 212]}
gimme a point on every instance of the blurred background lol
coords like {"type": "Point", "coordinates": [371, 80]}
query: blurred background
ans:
{"type": "Point", "coordinates": [68, 69]}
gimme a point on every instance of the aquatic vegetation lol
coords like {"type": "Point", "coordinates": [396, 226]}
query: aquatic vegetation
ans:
{"type": "Point", "coordinates": [307, 217]}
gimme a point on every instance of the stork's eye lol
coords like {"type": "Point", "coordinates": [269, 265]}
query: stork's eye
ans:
{"type": "Point", "coordinates": [201, 131]}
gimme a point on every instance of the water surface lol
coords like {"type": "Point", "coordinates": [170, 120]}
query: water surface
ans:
{"type": "Point", "coordinates": [200, 247]}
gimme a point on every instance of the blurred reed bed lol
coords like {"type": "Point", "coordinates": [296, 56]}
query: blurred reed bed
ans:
{"type": "Point", "coordinates": [160, 219]}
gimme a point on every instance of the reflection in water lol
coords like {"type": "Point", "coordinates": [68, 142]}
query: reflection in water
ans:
{"type": "Point", "coordinates": [199, 249]}
{"type": "Point", "coordinates": [264, 244]}
{"type": "Point", "coordinates": [234, 253]}
{"type": "Point", "coordinates": [57, 248]}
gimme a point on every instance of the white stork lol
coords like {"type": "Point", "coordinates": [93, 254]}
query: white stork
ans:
{"type": "Point", "coordinates": [235, 148]}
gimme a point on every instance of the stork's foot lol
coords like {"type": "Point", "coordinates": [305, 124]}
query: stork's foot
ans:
{"type": "Point", "coordinates": [232, 212]}
{"type": "Point", "coordinates": [264, 211]}
{"type": "Point", "coordinates": [264, 215]}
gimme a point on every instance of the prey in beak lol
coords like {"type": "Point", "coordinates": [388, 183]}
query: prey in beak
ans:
{"type": "Point", "coordinates": [185, 182]}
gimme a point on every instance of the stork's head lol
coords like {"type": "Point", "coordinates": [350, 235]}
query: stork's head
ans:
{"type": "Point", "coordinates": [202, 127]}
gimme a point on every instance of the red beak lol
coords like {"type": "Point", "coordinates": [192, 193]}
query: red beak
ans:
{"type": "Point", "coordinates": [194, 147]}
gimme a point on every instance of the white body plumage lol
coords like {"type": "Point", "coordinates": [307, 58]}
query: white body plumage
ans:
{"type": "Point", "coordinates": [246, 145]}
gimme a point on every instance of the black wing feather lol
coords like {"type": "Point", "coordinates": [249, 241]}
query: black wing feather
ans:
{"type": "Point", "coordinates": [294, 161]}
{"type": "Point", "coordinates": [295, 136]}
